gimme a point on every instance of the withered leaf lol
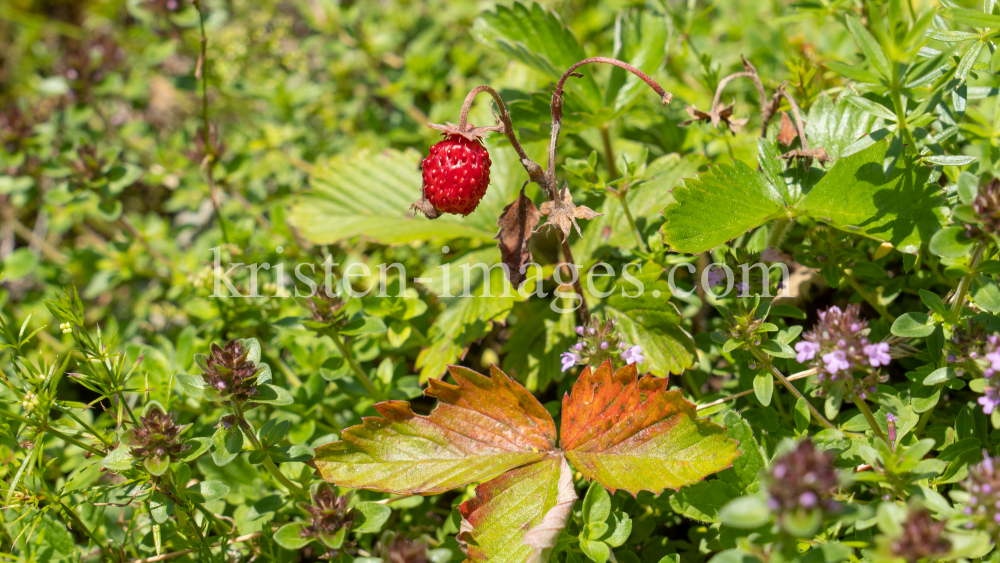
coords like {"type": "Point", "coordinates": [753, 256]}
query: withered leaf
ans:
{"type": "Point", "coordinates": [787, 131]}
{"type": "Point", "coordinates": [715, 116]}
{"type": "Point", "coordinates": [820, 155]}
{"type": "Point", "coordinates": [563, 213]}
{"type": "Point", "coordinates": [516, 223]}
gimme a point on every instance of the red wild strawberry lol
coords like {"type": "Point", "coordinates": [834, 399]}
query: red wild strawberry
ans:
{"type": "Point", "coordinates": [456, 174]}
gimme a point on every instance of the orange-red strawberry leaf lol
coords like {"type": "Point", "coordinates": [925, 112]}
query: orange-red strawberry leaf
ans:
{"type": "Point", "coordinates": [481, 428]}
{"type": "Point", "coordinates": [632, 433]}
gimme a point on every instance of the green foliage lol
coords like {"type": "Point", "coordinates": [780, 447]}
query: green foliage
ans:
{"type": "Point", "coordinates": [227, 336]}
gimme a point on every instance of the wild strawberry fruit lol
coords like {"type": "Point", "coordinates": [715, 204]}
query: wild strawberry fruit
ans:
{"type": "Point", "coordinates": [456, 174]}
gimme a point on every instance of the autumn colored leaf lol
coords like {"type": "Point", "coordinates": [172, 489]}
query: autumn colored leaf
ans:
{"type": "Point", "coordinates": [632, 433]}
{"type": "Point", "coordinates": [481, 428]}
{"type": "Point", "coordinates": [624, 431]}
{"type": "Point", "coordinates": [495, 521]}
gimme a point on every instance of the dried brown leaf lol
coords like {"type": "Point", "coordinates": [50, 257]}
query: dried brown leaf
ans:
{"type": "Point", "coordinates": [787, 131]}
{"type": "Point", "coordinates": [563, 213]}
{"type": "Point", "coordinates": [516, 223]}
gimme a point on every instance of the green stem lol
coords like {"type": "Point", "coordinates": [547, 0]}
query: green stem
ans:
{"type": "Point", "coordinates": [83, 528]}
{"type": "Point", "coordinates": [54, 432]}
{"type": "Point", "coordinates": [963, 286]}
{"type": "Point", "coordinates": [780, 228]}
{"type": "Point", "coordinates": [631, 221]}
{"type": "Point", "coordinates": [93, 431]}
{"type": "Point", "coordinates": [863, 407]}
{"type": "Point", "coordinates": [897, 102]}
{"type": "Point", "coordinates": [609, 152]}
{"type": "Point", "coordinates": [268, 463]}
{"type": "Point", "coordinates": [362, 377]}
{"type": "Point", "coordinates": [788, 384]}
{"type": "Point", "coordinates": [924, 419]}
{"type": "Point", "coordinates": [871, 299]}
{"type": "Point", "coordinates": [689, 380]}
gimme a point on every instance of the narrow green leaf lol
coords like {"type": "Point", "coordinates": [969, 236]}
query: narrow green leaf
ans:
{"type": "Point", "coordinates": [874, 108]}
{"type": "Point", "coordinates": [870, 47]}
{"type": "Point", "coordinates": [974, 18]}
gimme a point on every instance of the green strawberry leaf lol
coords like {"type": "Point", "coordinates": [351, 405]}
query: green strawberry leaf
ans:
{"type": "Point", "coordinates": [856, 196]}
{"type": "Point", "coordinates": [718, 206]}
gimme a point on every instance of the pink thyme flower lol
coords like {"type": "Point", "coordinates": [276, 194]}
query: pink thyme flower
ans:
{"type": "Point", "coordinates": [836, 361]}
{"type": "Point", "coordinates": [632, 355]}
{"type": "Point", "coordinates": [806, 351]}
{"type": "Point", "coordinates": [878, 354]}
{"type": "Point", "coordinates": [569, 359]}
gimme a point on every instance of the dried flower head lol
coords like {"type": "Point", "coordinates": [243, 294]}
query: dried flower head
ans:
{"type": "Point", "coordinates": [329, 518]}
{"type": "Point", "coordinates": [983, 486]}
{"type": "Point", "coordinates": [157, 436]}
{"type": "Point", "coordinates": [839, 348]}
{"type": "Point", "coordinates": [803, 479]}
{"type": "Point", "coordinates": [987, 207]}
{"type": "Point", "coordinates": [402, 550]}
{"type": "Point", "coordinates": [229, 371]}
{"type": "Point", "coordinates": [922, 538]}
{"type": "Point", "coordinates": [326, 308]}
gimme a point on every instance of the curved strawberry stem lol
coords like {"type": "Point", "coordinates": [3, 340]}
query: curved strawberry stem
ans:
{"type": "Point", "coordinates": [507, 128]}
{"type": "Point", "coordinates": [557, 100]}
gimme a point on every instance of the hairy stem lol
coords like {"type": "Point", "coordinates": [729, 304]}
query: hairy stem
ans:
{"type": "Point", "coordinates": [863, 407]}
{"type": "Point", "coordinates": [362, 376]}
{"type": "Point", "coordinates": [871, 299]}
{"type": "Point", "coordinates": [577, 286]}
{"type": "Point", "coordinates": [631, 221]}
{"type": "Point", "coordinates": [784, 381]}
{"type": "Point", "coordinates": [268, 463]}
{"type": "Point", "coordinates": [209, 161]}
{"type": "Point", "coordinates": [963, 285]}
{"type": "Point", "coordinates": [83, 528]}
{"type": "Point", "coordinates": [796, 116]}
{"type": "Point", "coordinates": [557, 101]}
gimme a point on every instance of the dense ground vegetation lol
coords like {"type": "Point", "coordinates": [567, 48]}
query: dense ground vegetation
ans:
{"type": "Point", "coordinates": [240, 319]}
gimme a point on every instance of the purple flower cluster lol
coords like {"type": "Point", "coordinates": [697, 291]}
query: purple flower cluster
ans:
{"type": "Point", "coordinates": [922, 538]}
{"type": "Point", "coordinates": [983, 486]}
{"type": "Point", "coordinates": [838, 347]}
{"type": "Point", "coordinates": [803, 479]}
{"type": "Point", "coordinates": [327, 514]}
{"type": "Point", "coordinates": [597, 343]}
{"type": "Point", "coordinates": [156, 436]}
{"type": "Point", "coordinates": [229, 372]}
{"type": "Point", "coordinates": [987, 207]}
{"type": "Point", "coordinates": [990, 364]}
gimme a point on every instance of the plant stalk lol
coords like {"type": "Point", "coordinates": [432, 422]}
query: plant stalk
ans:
{"type": "Point", "coordinates": [784, 381]}
{"type": "Point", "coordinates": [963, 285]}
{"type": "Point", "coordinates": [268, 463]}
{"type": "Point", "coordinates": [863, 407]}
{"type": "Point", "coordinates": [362, 377]}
